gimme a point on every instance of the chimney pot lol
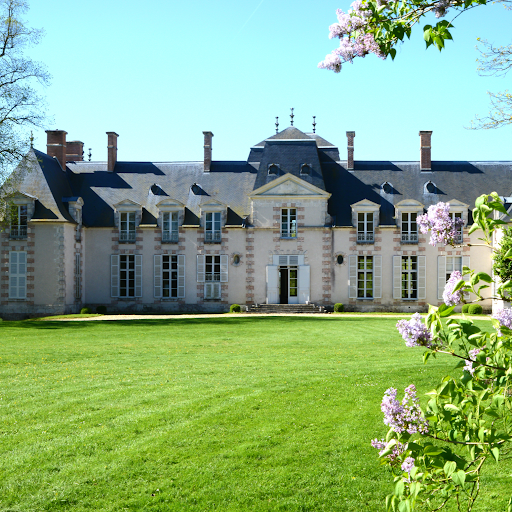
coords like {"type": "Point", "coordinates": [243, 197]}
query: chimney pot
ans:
{"type": "Point", "coordinates": [425, 150]}
{"type": "Point", "coordinates": [112, 150]}
{"type": "Point", "coordinates": [56, 145]}
{"type": "Point", "coordinates": [207, 151]}
{"type": "Point", "coordinates": [350, 149]}
{"type": "Point", "coordinates": [74, 151]}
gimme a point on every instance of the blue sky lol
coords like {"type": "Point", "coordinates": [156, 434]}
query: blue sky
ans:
{"type": "Point", "coordinates": [160, 72]}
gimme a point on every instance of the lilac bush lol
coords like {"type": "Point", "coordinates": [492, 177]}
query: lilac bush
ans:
{"type": "Point", "coordinates": [405, 416]}
{"type": "Point", "coordinates": [437, 220]}
{"type": "Point", "coordinates": [450, 297]}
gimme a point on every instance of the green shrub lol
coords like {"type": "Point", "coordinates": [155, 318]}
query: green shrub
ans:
{"type": "Point", "coordinates": [475, 309]}
{"type": "Point", "coordinates": [101, 310]}
{"type": "Point", "coordinates": [465, 308]}
{"type": "Point", "coordinates": [85, 311]}
{"type": "Point", "coordinates": [235, 308]}
{"type": "Point", "coordinates": [339, 307]}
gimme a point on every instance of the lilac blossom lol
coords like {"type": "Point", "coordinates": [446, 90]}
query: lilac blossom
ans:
{"type": "Point", "coordinates": [397, 449]}
{"type": "Point", "coordinates": [450, 297]}
{"type": "Point", "coordinates": [414, 332]}
{"type": "Point", "coordinates": [405, 416]}
{"type": "Point", "coordinates": [504, 317]}
{"type": "Point", "coordinates": [408, 464]}
{"type": "Point", "coordinates": [472, 358]}
{"type": "Point", "coordinates": [443, 229]}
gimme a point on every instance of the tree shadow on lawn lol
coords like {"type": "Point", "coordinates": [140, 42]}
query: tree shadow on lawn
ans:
{"type": "Point", "coordinates": [176, 322]}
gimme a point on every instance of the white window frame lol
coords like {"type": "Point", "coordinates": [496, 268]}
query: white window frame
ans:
{"type": "Point", "coordinates": [365, 227]}
{"type": "Point", "coordinates": [213, 227]}
{"type": "Point", "coordinates": [364, 276]}
{"type": "Point", "coordinates": [445, 266]}
{"type": "Point", "coordinates": [212, 280]}
{"type": "Point", "coordinates": [410, 233]}
{"type": "Point", "coordinates": [118, 265]}
{"type": "Point", "coordinates": [410, 277]}
{"type": "Point", "coordinates": [19, 214]}
{"type": "Point", "coordinates": [170, 227]}
{"type": "Point", "coordinates": [376, 277]}
{"type": "Point", "coordinates": [289, 223]}
{"type": "Point", "coordinates": [460, 234]}
{"type": "Point", "coordinates": [18, 275]}
{"type": "Point", "coordinates": [127, 227]}
{"type": "Point", "coordinates": [398, 278]}
{"type": "Point", "coordinates": [160, 278]}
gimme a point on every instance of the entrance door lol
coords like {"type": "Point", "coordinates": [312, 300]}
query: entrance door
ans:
{"type": "Point", "coordinates": [288, 289]}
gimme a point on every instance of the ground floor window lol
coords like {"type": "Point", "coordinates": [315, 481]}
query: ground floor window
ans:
{"type": "Point", "coordinates": [169, 276]}
{"type": "Point", "coordinates": [212, 270]}
{"type": "Point", "coordinates": [365, 277]}
{"type": "Point", "coordinates": [126, 275]}
{"type": "Point", "coordinates": [445, 266]}
{"type": "Point", "coordinates": [409, 277]}
{"type": "Point", "coordinates": [17, 275]}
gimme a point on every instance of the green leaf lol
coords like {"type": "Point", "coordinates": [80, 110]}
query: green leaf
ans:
{"type": "Point", "coordinates": [405, 506]}
{"type": "Point", "coordinates": [459, 478]}
{"type": "Point", "coordinates": [451, 407]}
{"type": "Point", "coordinates": [399, 488]}
{"type": "Point", "coordinates": [445, 310]}
{"type": "Point", "coordinates": [449, 468]}
{"type": "Point", "coordinates": [392, 52]}
{"type": "Point", "coordinates": [484, 277]}
{"type": "Point", "coordinates": [432, 450]}
{"type": "Point", "coordinates": [495, 453]}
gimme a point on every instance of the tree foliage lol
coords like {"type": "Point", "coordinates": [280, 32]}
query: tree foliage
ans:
{"type": "Point", "coordinates": [502, 265]}
{"type": "Point", "coordinates": [20, 105]}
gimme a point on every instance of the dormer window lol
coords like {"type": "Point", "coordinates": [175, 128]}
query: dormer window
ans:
{"type": "Point", "coordinates": [365, 227]}
{"type": "Point", "coordinates": [212, 231]}
{"type": "Point", "coordinates": [430, 188]}
{"type": "Point", "coordinates": [127, 227]}
{"type": "Point", "coordinates": [409, 228]}
{"type": "Point", "coordinates": [458, 226]}
{"type": "Point", "coordinates": [273, 170]}
{"type": "Point", "coordinates": [387, 188]}
{"type": "Point", "coordinates": [305, 169]}
{"type": "Point", "coordinates": [170, 232]}
{"type": "Point", "coordinates": [19, 217]}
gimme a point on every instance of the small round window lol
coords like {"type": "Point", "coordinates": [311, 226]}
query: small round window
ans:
{"type": "Point", "coordinates": [431, 188]}
{"type": "Point", "coordinates": [387, 188]}
{"type": "Point", "coordinates": [273, 169]}
{"type": "Point", "coordinates": [236, 259]}
{"type": "Point", "coordinates": [339, 259]}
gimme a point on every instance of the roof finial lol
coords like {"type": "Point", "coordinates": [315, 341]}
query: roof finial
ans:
{"type": "Point", "coordinates": [314, 124]}
{"type": "Point", "coordinates": [89, 154]}
{"type": "Point", "coordinates": [277, 124]}
{"type": "Point", "coordinates": [291, 115]}
{"type": "Point", "coordinates": [31, 139]}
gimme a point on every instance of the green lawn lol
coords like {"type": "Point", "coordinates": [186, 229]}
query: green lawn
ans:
{"type": "Point", "coordinates": [225, 414]}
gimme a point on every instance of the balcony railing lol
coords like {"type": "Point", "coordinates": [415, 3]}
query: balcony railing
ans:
{"type": "Point", "coordinates": [409, 238]}
{"type": "Point", "coordinates": [212, 237]}
{"type": "Point", "coordinates": [169, 238]}
{"type": "Point", "coordinates": [364, 238]}
{"type": "Point", "coordinates": [19, 232]}
{"type": "Point", "coordinates": [127, 236]}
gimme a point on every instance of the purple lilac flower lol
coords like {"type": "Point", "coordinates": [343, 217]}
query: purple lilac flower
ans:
{"type": "Point", "coordinates": [504, 317]}
{"type": "Point", "coordinates": [414, 332]}
{"type": "Point", "coordinates": [443, 228]}
{"type": "Point", "coordinates": [398, 449]}
{"type": "Point", "coordinates": [472, 358]}
{"type": "Point", "coordinates": [450, 297]}
{"type": "Point", "coordinates": [408, 464]}
{"type": "Point", "coordinates": [405, 416]}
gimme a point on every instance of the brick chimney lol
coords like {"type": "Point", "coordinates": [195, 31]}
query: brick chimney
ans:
{"type": "Point", "coordinates": [74, 151]}
{"type": "Point", "coordinates": [350, 149]}
{"type": "Point", "coordinates": [112, 150]}
{"type": "Point", "coordinates": [425, 151]}
{"type": "Point", "coordinates": [207, 151]}
{"type": "Point", "coordinates": [56, 145]}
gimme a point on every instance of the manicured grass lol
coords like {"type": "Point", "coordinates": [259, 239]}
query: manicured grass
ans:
{"type": "Point", "coordinates": [232, 413]}
{"type": "Point", "coordinates": [66, 317]}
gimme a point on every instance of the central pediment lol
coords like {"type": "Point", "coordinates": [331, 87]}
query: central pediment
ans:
{"type": "Point", "coordinates": [289, 185]}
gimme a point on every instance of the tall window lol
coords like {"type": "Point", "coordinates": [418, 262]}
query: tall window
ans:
{"type": "Point", "coordinates": [288, 223]}
{"type": "Point", "coordinates": [409, 227]}
{"type": "Point", "coordinates": [365, 277]}
{"type": "Point", "coordinates": [170, 227]}
{"type": "Point", "coordinates": [212, 277]}
{"type": "Point", "coordinates": [127, 227]}
{"type": "Point", "coordinates": [127, 275]}
{"type": "Point", "coordinates": [17, 275]}
{"type": "Point", "coordinates": [458, 237]}
{"type": "Point", "coordinates": [212, 228]}
{"type": "Point", "coordinates": [409, 277]}
{"type": "Point", "coordinates": [19, 221]}
{"type": "Point", "coordinates": [169, 276]}
{"type": "Point", "coordinates": [365, 227]}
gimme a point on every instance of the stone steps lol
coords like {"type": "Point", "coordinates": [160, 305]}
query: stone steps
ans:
{"type": "Point", "coordinates": [285, 308]}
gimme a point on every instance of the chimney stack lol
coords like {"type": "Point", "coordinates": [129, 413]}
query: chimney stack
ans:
{"type": "Point", "coordinates": [350, 150]}
{"type": "Point", "coordinates": [207, 151]}
{"type": "Point", "coordinates": [74, 151]}
{"type": "Point", "coordinates": [56, 145]}
{"type": "Point", "coordinates": [112, 150]}
{"type": "Point", "coordinates": [425, 151]}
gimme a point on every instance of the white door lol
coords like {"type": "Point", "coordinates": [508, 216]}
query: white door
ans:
{"type": "Point", "coordinates": [293, 285]}
{"type": "Point", "coordinates": [272, 284]}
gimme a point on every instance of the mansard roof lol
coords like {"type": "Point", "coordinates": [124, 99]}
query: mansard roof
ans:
{"type": "Point", "coordinates": [232, 183]}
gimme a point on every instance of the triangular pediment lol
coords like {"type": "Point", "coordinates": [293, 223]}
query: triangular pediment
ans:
{"type": "Point", "coordinates": [289, 185]}
{"type": "Point", "coordinates": [409, 204]}
{"type": "Point", "coordinates": [455, 203]}
{"type": "Point", "coordinates": [127, 205]}
{"type": "Point", "coordinates": [365, 204]}
{"type": "Point", "coordinates": [21, 198]}
{"type": "Point", "coordinates": [170, 203]}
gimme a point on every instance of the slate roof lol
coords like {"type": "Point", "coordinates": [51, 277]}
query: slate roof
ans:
{"type": "Point", "coordinates": [230, 182]}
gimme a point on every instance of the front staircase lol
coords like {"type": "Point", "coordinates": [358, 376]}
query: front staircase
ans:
{"type": "Point", "coordinates": [286, 309]}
